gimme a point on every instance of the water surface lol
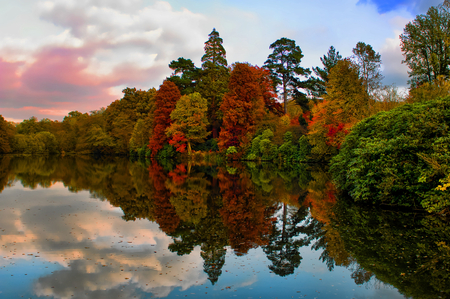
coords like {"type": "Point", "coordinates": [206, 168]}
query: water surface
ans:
{"type": "Point", "coordinates": [111, 228]}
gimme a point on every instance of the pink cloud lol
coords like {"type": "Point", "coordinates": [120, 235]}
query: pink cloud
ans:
{"type": "Point", "coordinates": [99, 47]}
{"type": "Point", "coordinates": [9, 75]}
{"type": "Point", "coordinates": [59, 82]}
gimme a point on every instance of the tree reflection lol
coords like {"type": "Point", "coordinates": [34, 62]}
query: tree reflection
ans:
{"type": "Point", "coordinates": [284, 242]}
{"type": "Point", "coordinates": [247, 219]}
{"type": "Point", "coordinates": [279, 208]}
{"type": "Point", "coordinates": [407, 250]}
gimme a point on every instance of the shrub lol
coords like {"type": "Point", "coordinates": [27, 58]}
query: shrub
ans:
{"type": "Point", "coordinates": [398, 157]}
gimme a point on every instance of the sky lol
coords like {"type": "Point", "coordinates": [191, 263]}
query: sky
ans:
{"type": "Point", "coordinates": [58, 56]}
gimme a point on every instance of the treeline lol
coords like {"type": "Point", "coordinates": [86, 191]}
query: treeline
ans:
{"type": "Point", "coordinates": [234, 109]}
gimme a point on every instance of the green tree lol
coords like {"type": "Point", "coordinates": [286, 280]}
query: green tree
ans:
{"type": "Point", "coordinates": [398, 157]}
{"type": "Point", "coordinates": [369, 64]}
{"type": "Point", "coordinates": [284, 66]}
{"type": "Point", "coordinates": [425, 43]}
{"type": "Point", "coordinates": [318, 83]}
{"type": "Point", "coordinates": [189, 119]}
{"type": "Point", "coordinates": [185, 75]}
{"type": "Point", "coordinates": [214, 78]}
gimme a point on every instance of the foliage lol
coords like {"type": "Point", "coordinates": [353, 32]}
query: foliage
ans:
{"type": "Point", "coordinates": [6, 136]}
{"type": "Point", "coordinates": [387, 98]}
{"type": "Point", "coordinates": [345, 103]}
{"type": "Point", "coordinates": [438, 88]}
{"type": "Point", "coordinates": [395, 157]}
{"type": "Point", "coordinates": [262, 147]}
{"type": "Point", "coordinates": [317, 85]}
{"type": "Point", "coordinates": [190, 75]}
{"type": "Point", "coordinates": [165, 101]}
{"type": "Point", "coordinates": [284, 66]}
{"type": "Point", "coordinates": [242, 107]}
{"type": "Point", "coordinates": [425, 45]}
{"type": "Point", "coordinates": [189, 119]}
{"type": "Point", "coordinates": [369, 64]}
{"type": "Point", "coordinates": [208, 145]}
{"type": "Point", "coordinates": [42, 143]}
{"type": "Point", "coordinates": [214, 79]}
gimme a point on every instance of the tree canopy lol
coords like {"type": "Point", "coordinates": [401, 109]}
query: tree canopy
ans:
{"type": "Point", "coordinates": [189, 119]}
{"type": "Point", "coordinates": [284, 66]}
{"type": "Point", "coordinates": [425, 43]}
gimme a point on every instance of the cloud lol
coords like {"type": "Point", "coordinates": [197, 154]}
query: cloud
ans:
{"type": "Point", "coordinates": [101, 46]}
{"type": "Point", "coordinates": [393, 69]}
{"type": "Point", "coordinates": [76, 54]}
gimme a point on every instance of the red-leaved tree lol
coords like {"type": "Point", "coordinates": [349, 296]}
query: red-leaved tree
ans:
{"type": "Point", "coordinates": [243, 105]}
{"type": "Point", "coordinates": [166, 99]}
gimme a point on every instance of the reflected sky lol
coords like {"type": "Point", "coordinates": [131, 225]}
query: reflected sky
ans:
{"type": "Point", "coordinates": [61, 244]}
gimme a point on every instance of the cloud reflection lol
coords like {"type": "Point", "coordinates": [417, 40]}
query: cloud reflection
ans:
{"type": "Point", "coordinates": [102, 255]}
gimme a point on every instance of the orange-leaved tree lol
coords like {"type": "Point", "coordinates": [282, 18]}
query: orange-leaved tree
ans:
{"type": "Point", "coordinates": [345, 103]}
{"type": "Point", "coordinates": [165, 101]}
{"type": "Point", "coordinates": [243, 105]}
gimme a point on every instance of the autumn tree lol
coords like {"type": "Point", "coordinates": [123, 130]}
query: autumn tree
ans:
{"type": "Point", "coordinates": [214, 78]}
{"type": "Point", "coordinates": [369, 64]}
{"type": "Point", "coordinates": [6, 136]}
{"type": "Point", "coordinates": [189, 119]}
{"type": "Point", "coordinates": [121, 116]}
{"type": "Point", "coordinates": [185, 75]}
{"type": "Point", "coordinates": [285, 69]}
{"type": "Point", "coordinates": [439, 88]}
{"type": "Point", "coordinates": [165, 101]}
{"type": "Point", "coordinates": [318, 83]}
{"type": "Point", "coordinates": [425, 44]}
{"type": "Point", "coordinates": [346, 103]}
{"type": "Point", "coordinates": [242, 107]}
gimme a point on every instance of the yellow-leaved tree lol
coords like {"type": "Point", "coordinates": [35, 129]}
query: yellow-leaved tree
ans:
{"type": "Point", "coordinates": [189, 122]}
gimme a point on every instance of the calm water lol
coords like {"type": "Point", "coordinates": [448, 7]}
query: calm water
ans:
{"type": "Point", "coordinates": [85, 228]}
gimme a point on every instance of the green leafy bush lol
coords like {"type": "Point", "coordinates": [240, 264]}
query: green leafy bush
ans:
{"type": "Point", "coordinates": [398, 157]}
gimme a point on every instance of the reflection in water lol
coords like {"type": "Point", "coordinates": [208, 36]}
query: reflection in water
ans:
{"type": "Point", "coordinates": [188, 215]}
{"type": "Point", "coordinates": [407, 250]}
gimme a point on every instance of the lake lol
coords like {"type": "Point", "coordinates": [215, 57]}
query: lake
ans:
{"type": "Point", "coordinates": [115, 228]}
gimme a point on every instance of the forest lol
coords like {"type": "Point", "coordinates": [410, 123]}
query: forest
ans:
{"type": "Point", "coordinates": [378, 141]}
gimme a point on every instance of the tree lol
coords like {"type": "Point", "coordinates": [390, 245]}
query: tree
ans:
{"type": "Point", "coordinates": [190, 74]}
{"type": "Point", "coordinates": [284, 66]}
{"type": "Point", "coordinates": [398, 157]}
{"type": "Point", "coordinates": [439, 88]}
{"type": "Point", "coordinates": [6, 136]}
{"type": "Point", "coordinates": [214, 78]}
{"type": "Point", "coordinates": [369, 64]}
{"type": "Point", "coordinates": [189, 119]}
{"type": "Point", "coordinates": [318, 84]}
{"type": "Point", "coordinates": [345, 104]}
{"type": "Point", "coordinates": [425, 44]}
{"type": "Point", "coordinates": [242, 106]}
{"type": "Point", "coordinates": [165, 101]}
{"type": "Point", "coordinates": [121, 116]}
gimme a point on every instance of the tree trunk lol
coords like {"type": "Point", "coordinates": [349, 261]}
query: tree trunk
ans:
{"type": "Point", "coordinates": [189, 148]}
{"type": "Point", "coordinates": [284, 95]}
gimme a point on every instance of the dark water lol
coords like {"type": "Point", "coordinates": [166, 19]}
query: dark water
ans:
{"type": "Point", "coordinates": [90, 228]}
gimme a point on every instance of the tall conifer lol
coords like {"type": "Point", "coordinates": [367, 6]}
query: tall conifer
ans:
{"type": "Point", "coordinates": [214, 79]}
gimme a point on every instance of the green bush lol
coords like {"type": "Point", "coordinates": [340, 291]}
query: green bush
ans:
{"type": "Point", "coordinates": [398, 157]}
{"type": "Point", "coordinates": [208, 145]}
